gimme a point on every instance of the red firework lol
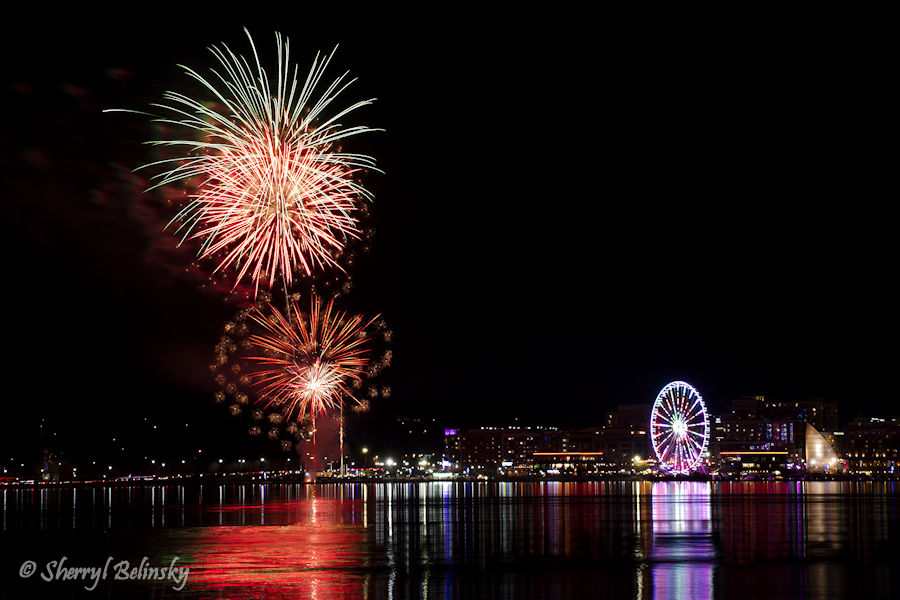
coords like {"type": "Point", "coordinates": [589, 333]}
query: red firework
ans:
{"type": "Point", "coordinates": [271, 191]}
{"type": "Point", "coordinates": [309, 360]}
{"type": "Point", "coordinates": [277, 210]}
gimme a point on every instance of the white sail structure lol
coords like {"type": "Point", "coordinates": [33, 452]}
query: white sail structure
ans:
{"type": "Point", "coordinates": [820, 455]}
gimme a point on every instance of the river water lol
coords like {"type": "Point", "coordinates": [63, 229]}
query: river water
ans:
{"type": "Point", "coordinates": [562, 540]}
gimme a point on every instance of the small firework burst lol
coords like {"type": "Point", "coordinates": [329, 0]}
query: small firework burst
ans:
{"type": "Point", "coordinates": [237, 374]}
{"type": "Point", "coordinates": [309, 360]}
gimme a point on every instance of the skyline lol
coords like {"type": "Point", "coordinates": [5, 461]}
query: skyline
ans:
{"type": "Point", "coordinates": [173, 441]}
{"type": "Point", "coordinates": [536, 244]}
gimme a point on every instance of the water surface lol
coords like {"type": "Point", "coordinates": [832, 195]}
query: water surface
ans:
{"type": "Point", "coordinates": [453, 539]}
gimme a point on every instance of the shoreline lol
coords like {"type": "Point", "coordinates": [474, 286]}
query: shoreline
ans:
{"type": "Point", "coordinates": [275, 478]}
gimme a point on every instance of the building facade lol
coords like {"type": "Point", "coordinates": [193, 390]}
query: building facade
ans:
{"type": "Point", "coordinates": [871, 446]}
{"type": "Point", "coordinates": [757, 419]}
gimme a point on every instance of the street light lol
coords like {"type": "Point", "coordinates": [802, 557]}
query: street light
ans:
{"type": "Point", "coordinates": [364, 451]}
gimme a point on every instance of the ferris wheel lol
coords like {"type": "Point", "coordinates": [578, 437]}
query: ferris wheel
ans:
{"type": "Point", "coordinates": [679, 428]}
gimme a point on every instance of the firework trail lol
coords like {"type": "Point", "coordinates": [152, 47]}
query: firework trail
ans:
{"type": "Point", "coordinates": [271, 190]}
{"type": "Point", "coordinates": [310, 361]}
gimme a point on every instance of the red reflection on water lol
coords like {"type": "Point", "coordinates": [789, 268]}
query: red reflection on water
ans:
{"type": "Point", "coordinates": [325, 555]}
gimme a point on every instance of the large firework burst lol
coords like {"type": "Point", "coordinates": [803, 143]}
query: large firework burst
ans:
{"type": "Point", "coordinates": [310, 361]}
{"type": "Point", "coordinates": [271, 190]}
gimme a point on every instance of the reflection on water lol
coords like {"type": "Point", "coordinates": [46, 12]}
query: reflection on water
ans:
{"type": "Point", "coordinates": [682, 550]}
{"type": "Point", "coordinates": [463, 539]}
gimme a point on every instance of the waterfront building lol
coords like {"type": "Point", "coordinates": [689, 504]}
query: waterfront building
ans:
{"type": "Point", "coordinates": [757, 419]}
{"type": "Point", "coordinates": [758, 460]}
{"type": "Point", "coordinates": [615, 447]}
{"type": "Point", "coordinates": [568, 463]}
{"type": "Point", "coordinates": [493, 448]}
{"type": "Point", "coordinates": [871, 446]}
{"type": "Point", "coordinates": [625, 437]}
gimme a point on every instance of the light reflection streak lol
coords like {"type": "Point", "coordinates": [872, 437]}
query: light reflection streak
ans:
{"type": "Point", "coordinates": [43, 497]}
{"type": "Point", "coordinates": [446, 491]}
{"type": "Point", "coordinates": [682, 556]}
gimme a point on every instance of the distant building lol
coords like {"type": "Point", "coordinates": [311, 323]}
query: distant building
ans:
{"type": "Point", "coordinates": [568, 463]}
{"type": "Point", "coordinates": [452, 446]}
{"type": "Point", "coordinates": [753, 460]}
{"type": "Point", "coordinates": [755, 419]}
{"type": "Point", "coordinates": [497, 447]}
{"type": "Point", "coordinates": [625, 436]}
{"type": "Point", "coordinates": [628, 416]}
{"type": "Point", "coordinates": [622, 441]}
{"type": "Point", "coordinates": [871, 446]}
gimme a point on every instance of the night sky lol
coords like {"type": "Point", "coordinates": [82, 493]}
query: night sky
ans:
{"type": "Point", "coordinates": [573, 213]}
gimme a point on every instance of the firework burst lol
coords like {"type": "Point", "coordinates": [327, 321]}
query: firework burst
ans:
{"type": "Point", "coordinates": [271, 190]}
{"type": "Point", "coordinates": [236, 374]}
{"type": "Point", "coordinates": [310, 361]}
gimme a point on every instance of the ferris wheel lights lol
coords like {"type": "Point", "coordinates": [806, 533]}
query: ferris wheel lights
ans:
{"type": "Point", "coordinates": [679, 428]}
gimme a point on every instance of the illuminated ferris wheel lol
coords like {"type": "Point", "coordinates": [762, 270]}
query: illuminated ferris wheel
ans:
{"type": "Point", "coordinates": [679, 428]}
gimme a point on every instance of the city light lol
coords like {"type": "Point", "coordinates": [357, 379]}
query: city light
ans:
{"type": "Point", "coordinates": [748, 442]}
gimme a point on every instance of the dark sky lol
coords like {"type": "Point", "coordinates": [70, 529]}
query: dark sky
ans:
{"type": "Point", "coordinates": [573, 213]}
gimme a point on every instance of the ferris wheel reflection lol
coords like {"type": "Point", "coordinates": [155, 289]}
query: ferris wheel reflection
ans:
{"type": "Point", "coordinates": [682, 554]}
